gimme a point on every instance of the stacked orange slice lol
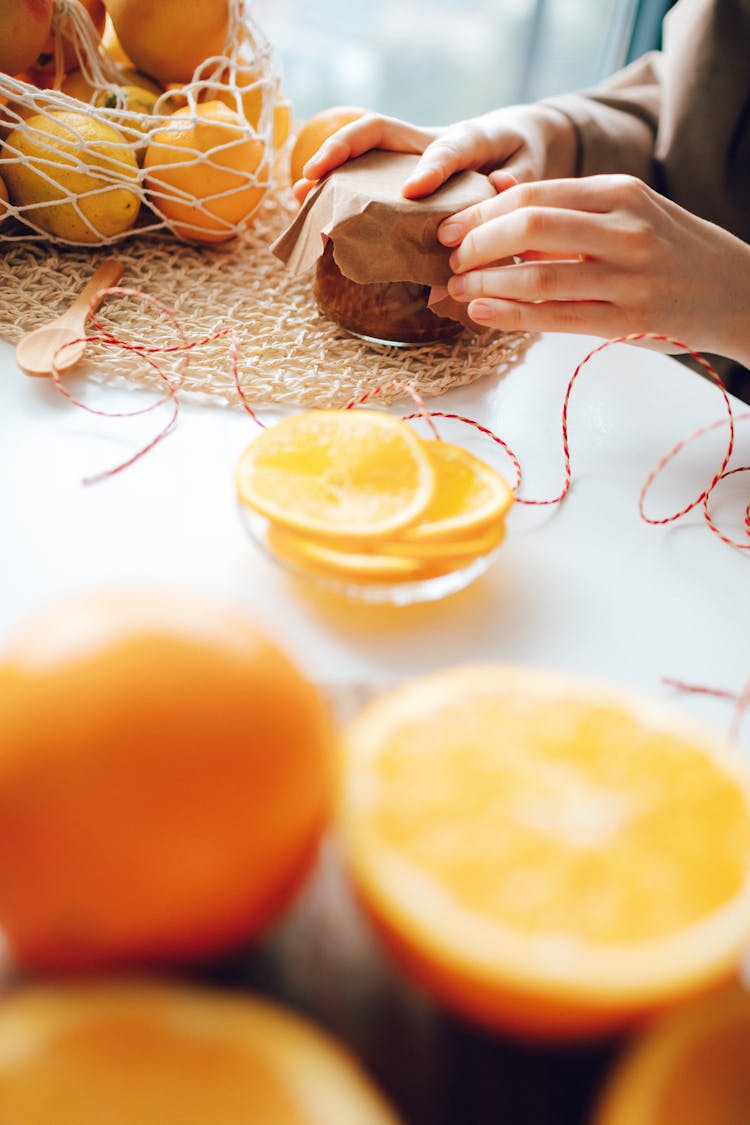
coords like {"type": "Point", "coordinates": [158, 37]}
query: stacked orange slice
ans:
{"type": "Point", "coordinates": [357, 495]}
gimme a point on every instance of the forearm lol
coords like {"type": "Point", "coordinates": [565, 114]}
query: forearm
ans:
{"type": "Point", "coordinates": [732, 327]}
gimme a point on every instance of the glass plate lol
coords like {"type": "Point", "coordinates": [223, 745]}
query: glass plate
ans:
{"type": "Point", "coordinates": [397, 591]}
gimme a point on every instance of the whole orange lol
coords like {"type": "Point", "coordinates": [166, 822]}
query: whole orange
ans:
{"type": "Point", "coordinates": [24, 28]}
{"type": "Point", "coordinates": [245, 90]}
{"type": "Point", "coordinates": [165, 775]}
{"type": "Point", "coordinates": [45, 64]}
{"type": "Point", "coordinates": [690, 1066]}
{"type": "Point", "coordinates": [171, 38]}
{"type": "Point", "coordinates": [138, 1052]}
{"type": "Point", "coordinates": [317, 129]}
{"type": "Point", "coordinates": [207, 172]}
{"type": "Point", "coordinates": [282, 122]}
{"type": "Point", "coordinates": [112, 44]}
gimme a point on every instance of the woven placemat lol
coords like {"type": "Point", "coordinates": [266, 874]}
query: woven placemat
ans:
{"type": "Point", "coordinates": [289, 354]}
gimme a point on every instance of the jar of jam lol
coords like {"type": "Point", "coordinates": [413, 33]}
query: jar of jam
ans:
{"type": "Point", "coordinates": [388, 312]}
{"type": "Point", "coordinates": [388, 256]}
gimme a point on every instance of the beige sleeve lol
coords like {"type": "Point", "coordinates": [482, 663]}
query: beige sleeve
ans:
{"type": "Point", "coordinates": [616, 121]}
{"type": "Point", "coordinates": [679, 118]}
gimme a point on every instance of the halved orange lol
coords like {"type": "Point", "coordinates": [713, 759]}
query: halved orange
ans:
{"type": "Point", "coordinates": [358, 474]}
{"type": "Point", "coordinates": [132, 1053]}
{"type": "Point", "coordinates": [692, 1067]}
{"type": "Point", "coordinates": [543, 853]}
{"type": "Point", "coordinates": [470, 497]}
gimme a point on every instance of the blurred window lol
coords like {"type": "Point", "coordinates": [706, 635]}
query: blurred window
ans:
{"type": "Point", "coordinates": [436, 61]}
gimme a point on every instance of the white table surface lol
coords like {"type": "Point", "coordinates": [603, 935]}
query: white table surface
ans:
{"type": "Point", "coordinates": [585, 586]}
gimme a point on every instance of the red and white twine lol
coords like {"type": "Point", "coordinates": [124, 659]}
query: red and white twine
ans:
{"type": "Point", "coordinates": [183, 347]}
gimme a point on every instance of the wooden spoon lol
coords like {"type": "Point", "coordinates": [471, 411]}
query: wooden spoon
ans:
{"type": "Point", "coordinates": [35, 352]}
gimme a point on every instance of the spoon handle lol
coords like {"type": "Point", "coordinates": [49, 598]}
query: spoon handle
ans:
{"type": "Point", "coordinates": [106, 274]}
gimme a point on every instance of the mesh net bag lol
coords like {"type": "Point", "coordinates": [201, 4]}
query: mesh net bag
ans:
{"type": "Point", "coordinates": [126, 157]}
{"type": "Point", "coordinates": [177, 248]}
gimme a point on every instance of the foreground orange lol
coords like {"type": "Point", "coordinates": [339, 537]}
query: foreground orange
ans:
{"type": "Point", "coordinates": [140, 1054]}
{"type": "Point", "coordinates": [544, 854]}
{"type": "Point", "coordinates": [691, 1068]}
{"type": "Point", "coordinates": [165, 775]}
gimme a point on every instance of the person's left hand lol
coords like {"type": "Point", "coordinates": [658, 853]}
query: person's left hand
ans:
{"type": "Point", "coordinates": [603, 255]}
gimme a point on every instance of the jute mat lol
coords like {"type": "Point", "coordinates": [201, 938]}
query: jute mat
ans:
{"type": "Point", "coordinates": [288, 353]}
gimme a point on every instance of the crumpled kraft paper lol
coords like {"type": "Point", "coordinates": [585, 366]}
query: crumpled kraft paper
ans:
{"type": "Point", "coordinates": [377, 234]}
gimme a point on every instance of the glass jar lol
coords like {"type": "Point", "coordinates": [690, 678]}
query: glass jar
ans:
{"type": "Point", "coordinates": [390, 312]}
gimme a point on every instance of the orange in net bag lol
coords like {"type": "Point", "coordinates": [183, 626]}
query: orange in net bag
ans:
{"type": "Point", "coordinates": [66, 176]}
{"type": "Point", "coordinates": [205, 201]}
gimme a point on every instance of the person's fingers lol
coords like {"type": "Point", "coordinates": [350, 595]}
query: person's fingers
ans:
{"type": "Point", "coordinates": [547, 230]}
{"type": "Point", "coordinates": [358, 137]}
{"type": "Point", "coordinates": [595, 194]}
{"type": "Point", "coordinates": [595, 318]}
{"type": "Point", "coordinates": [501, 179]}
{"type": "Point", "coordinates": [539, 281]}
{"type": "Point", "coordinates": [450, 233]}
{"type": "Point", "coordinates": [455, 150]}
{"type": "Point", "coordinates": [520, 166]}
{"type": "Point", "coordinates": [302, 189]}
{"type": "Point", "coordinates": [455, 228]}
{"type": "Point", "coordinates": [423, 181]}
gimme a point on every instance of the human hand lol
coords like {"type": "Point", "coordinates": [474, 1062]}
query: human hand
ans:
{"type": "Point", "coordinates": [525, 142]}
{"type": "Point", "coordinates": [360, 136]}
{"type": "Point", "coordinates": [616, 257]}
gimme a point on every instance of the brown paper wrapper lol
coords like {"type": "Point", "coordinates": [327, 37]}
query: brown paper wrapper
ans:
{"type": "Point", "coordinates": [377, 235]}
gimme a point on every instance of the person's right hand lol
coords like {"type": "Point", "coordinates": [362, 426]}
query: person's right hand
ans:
{"type": "Point", "coordinates": [601, 255]}
{"type": "Point", "coordinates": [524, 142]}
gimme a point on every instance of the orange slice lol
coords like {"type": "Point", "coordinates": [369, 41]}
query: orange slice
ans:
{"type": "Point", "coordinates": [692, 1067]}
{"type": "Point", "coordinates": [332, 473]}
{"type": "Point", "coordinates": [440, 550]}
{"type": "Point", "coordinates": [318, 558]}
{"type": "Point", "coordinates": [134, 1052]}
{"type": "Point", "coordinates": [469, 498]}
{"type": "Point", "coordinates": [544, 854]}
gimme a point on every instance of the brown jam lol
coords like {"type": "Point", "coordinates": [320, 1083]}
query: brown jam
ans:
{"type": "Point", "coordinates": [390, 312]}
